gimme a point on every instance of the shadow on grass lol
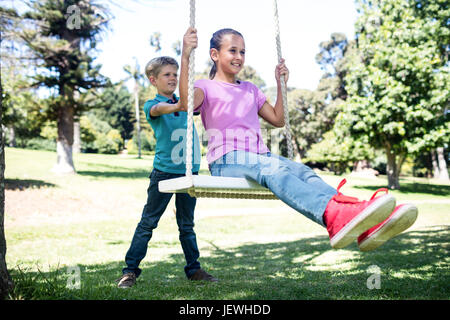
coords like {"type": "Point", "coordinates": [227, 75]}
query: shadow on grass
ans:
{"type": "Point", "coordinates": [413, 266]}
{"type": "Point", "coordinates": [19, 184]}
{"type": "Point", "coordinates": [135, 174]}
{"type": "Point", "coordinates": [413, 187]}
{"type": "Point", "coordinates": [116, 174]}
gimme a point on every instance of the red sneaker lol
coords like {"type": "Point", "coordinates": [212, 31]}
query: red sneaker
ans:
{"type": "Point", "coordinates": [347, 217]}
{"type": "Point", "coordinates": [400, 219]}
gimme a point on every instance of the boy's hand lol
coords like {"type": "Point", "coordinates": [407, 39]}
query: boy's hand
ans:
{"type": "Point", "coordinates": [190, 41]}
{"type": "Point", "coordinates": [180, 107]}
{"type": "Point", "coordinates": [281, 70]}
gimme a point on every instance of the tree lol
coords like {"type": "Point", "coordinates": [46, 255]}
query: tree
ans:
{"type": "Point", "coordinates": [176, 46]}
{"type": "Point", "coordinates": [116, 110]}
{"type": "Point", "coordinates": [443, 172]}
{"type": "Point", "coordinates": [134, 73]}
{"type": "Point", "coordinates": [398, 83]}
{"type": "Point", "coordinates": [248, 73]}
{"type": "Point", "coordinates": [20, 104]}
{"type": "Point", "coordinates": [333, 60]}
{"type": "Point", "coordinates": [312, 112]}
{"type": "Point", "coordinates": [155, 41]}
{"type": "Point", "coordinates": [62, 36]}
{"type": "Point", "coordinates": [6, 283]}
{"type": "Point", "coordinates": [340, 152]}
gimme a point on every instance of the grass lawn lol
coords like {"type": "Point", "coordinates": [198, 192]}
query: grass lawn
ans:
{"type": "Point", "coordinates": [260, 249]}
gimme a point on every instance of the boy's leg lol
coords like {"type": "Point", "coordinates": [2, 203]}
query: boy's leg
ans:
{"type": "Point", "coordinates": [185, 206]}
{"type": "Point", "coordinates": [153, 209]}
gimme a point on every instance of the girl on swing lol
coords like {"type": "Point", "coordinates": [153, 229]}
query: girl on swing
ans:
{"type": "Point", "coordinates": [228, 105]}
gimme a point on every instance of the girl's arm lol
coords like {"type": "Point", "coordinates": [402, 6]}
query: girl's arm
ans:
{"type": "Point", "coordinates": [189, 43]}
{"type": "Point", "coordinates": [275, 115]}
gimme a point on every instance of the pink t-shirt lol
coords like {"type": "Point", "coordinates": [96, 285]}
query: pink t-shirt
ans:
{"type": "Point", "coordinates": [230, 116]}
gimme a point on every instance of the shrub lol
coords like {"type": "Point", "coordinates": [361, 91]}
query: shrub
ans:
{"type": "Point", "coordinates": [132, 148]}
{"type": "Point", "coordinates": [98, 137]}
{"type": "Point", "coordinates": [148, 143]}
{"type": "Point", "coordinates": [40, 144]}
{"type": "Point", "coordinates": [114, 135]}
{"type": "Point", "coordinates": [105, 145]}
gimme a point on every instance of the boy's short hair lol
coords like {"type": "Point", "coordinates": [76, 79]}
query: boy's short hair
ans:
{"type": "Point", "coordinates": [154, 66]}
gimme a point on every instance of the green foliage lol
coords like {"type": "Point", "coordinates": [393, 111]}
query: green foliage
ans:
{"type": "Point", "coordinates": [21, 107]}
{"type": "Point", "coordinates": [38, 144]}
{"type": "Point", "coordinates": [114, 135]}
{"type": "Point", "coordinates": [61, 37]}
{"type": "Point", "coordinates": [148, 143]}
{"type": "Point", "coordinates": [310, 116]}
{"type": "Point", "coordinates": [56, 38]}
{"type": "Point", "coordinates": [399, 79]}
{"type": "Point", "coordinates": [117, 110]}
{"type": "Point", "coordinates": [103, 144]}
{"type": "Point", "coordinates": [87, 130]}
{"type": "Point", "coordinates": [249, 74]}
{"type": "Point", "coordinates": [49, 131]}
{"type": "Point", "coordinates": [339, 153]}
{"type": "Point", "coordinates": [313, 112]}
{"type": "Point", "coordinates": [98, 136]}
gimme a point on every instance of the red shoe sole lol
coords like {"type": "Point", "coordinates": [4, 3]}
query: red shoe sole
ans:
{"type": "Point", "coordinates": [399, 222]}
{"type": "Point", "coordinates": [375, 213]}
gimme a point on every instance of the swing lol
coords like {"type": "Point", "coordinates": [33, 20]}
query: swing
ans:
{"type": "Point", "coordinates": [213, 186]}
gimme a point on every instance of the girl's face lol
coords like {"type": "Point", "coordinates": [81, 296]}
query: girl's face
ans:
{"type": "Point", "coordinates": [231, 56]}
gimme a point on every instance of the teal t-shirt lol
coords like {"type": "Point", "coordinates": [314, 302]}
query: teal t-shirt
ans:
{"type": "Point", "coordinates": [170, 133]}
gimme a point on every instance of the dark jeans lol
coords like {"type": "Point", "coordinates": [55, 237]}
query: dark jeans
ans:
{"type": "Point", "coordinates": [153, 210]}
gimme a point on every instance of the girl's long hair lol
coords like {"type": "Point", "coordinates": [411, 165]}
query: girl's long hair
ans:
{"type": "Point", "coordinates": [216, 42]}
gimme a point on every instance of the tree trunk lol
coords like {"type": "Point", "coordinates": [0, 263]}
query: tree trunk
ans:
{"type": "Point", "coordinates": [66, 112]}
{"type": "Point", "coordinates": [297, 156]}
{"type": "Point", "coordinates": [6, 283]}
{"type": "Point", "coordinates": [76, 148]}
{"type": "Point", "coordinates": [392, 170]}
{"type": "Point", "coordinates": [64, 163]}
{"type": "Point", "coordinates": [435, 165]}
{"type": "Point", "coordinates": [12, 137]}
{"type": "Point", "coordinates": [361, 165]}
{"type": "Point", "coordinates": [443, 172]}
{"type": "Point", "coordinates": [138, 117]}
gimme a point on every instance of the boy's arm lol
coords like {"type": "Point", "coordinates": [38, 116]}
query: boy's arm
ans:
{"type": "Point", "coordinates": [164, 108]}
{"type": "Point", "coordinates": [275, 115]}
{"type": "Point", "coordinates": [190, 41]}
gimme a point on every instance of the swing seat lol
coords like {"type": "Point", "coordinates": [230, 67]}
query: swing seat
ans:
{"type": "Point", "coordinates": [216, 187]}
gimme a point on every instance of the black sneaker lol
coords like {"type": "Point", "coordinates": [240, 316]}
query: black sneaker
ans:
{"type": "Point", "coordinates": [127, 280]}
{"type": "Point", "coordinates": [201, 274]}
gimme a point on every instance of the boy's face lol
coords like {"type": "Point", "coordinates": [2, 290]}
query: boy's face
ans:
{"type": "Point", "coordinates": [167, 80]}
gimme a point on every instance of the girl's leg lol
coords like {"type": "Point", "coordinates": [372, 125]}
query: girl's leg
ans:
{"type": "Point", "coordinates": [275, 174]}
{"type": "Point", "coordinates": [306, 174]}
{"type": "Point", "coordinates": [344, 217]}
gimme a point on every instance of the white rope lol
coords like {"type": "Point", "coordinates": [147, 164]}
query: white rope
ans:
{"type": "Point", "coordinates": [283, 85]}
{"type": "Point", "coordinates": [190, 111]}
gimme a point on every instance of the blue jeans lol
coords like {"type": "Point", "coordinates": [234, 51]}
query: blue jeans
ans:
{"type": "Point", "coordinates": [153, 210]}
{"type": "Point", "coordinates": [294, 183]}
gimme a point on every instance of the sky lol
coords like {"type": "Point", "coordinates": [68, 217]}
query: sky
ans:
{"type": "Point", "coordinates": [303, 25]}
